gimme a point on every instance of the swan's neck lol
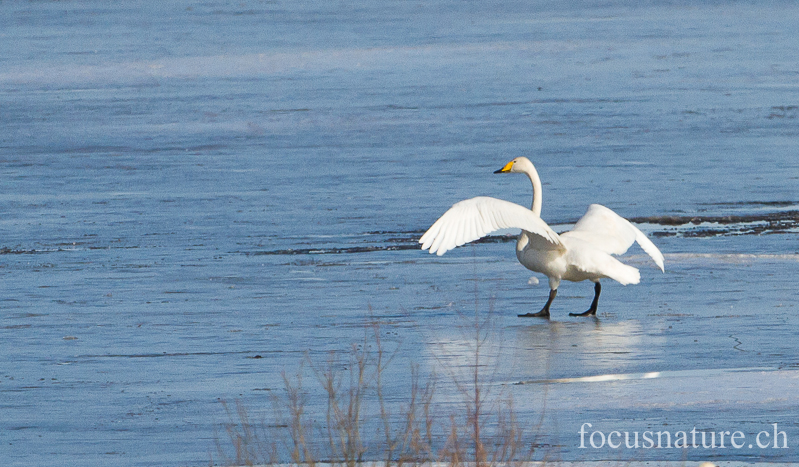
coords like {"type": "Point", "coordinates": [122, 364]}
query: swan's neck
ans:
{"type": "Point", "coordinates": [533, 174]}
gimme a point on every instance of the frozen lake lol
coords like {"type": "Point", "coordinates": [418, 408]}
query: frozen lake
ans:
{"type": "Point", "coordinates": [198, 196]}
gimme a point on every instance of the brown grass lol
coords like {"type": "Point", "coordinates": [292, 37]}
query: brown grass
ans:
{"type": "Point", "coordinates": [482, 431]}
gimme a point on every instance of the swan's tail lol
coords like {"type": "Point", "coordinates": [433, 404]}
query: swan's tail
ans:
{"type": "Point", "coordinates": [594, 262]}
{"type": "Point", "coordinates": [623, 274]}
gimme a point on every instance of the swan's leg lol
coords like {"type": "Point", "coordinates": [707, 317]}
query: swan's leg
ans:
{"type": "Point", "coordinates": [591, 311]}
{"type": "Point", "coordinates": [544, 313]}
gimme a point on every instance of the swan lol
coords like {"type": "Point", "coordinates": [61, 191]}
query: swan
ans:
{"type": "Point", "coordinates": [584, 253]}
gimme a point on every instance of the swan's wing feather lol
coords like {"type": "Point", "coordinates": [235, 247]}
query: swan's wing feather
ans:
{"type": "Point", "coordinates": [605, 230]}
{"type": "Point", "coordinates": [475, 218]}
{"type": "Point", "coordinates": [649, 248]}
{"type": "Point", "coordinates": [611, 233]}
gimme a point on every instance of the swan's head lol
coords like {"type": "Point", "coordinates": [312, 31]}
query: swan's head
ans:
{"type": "Point", "coordinates": [518, 165]}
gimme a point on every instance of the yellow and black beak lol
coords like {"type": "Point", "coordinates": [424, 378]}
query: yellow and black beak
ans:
{"type": "Point", "coordinates": [505, 169]}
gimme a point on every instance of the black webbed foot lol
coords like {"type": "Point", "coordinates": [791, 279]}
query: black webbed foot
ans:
{"type": "Point", "coordinates": [544, 313]}
{"type": "Point", "coordinates": [541, 314]}
{"type": "Point", "coordinates": [591, 311]}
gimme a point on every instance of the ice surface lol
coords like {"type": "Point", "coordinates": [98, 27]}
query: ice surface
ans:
{"type": "Point", "coordinates": [189, 186]}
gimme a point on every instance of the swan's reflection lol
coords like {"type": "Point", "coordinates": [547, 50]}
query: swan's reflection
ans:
{"type": "Point", "coordinates": [544, 352]}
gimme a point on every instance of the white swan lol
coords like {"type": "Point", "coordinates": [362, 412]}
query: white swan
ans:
{"type": "Point", "coordinates": [584, 253]}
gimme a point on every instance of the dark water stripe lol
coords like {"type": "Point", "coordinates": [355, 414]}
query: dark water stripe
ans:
{"type": "Point", "coordinates": [399, 244]}
{"type": "Point", "coordinates": [31, 251]}
{"type": "Point", "coordinates": [753, 203]}
{"type": "Point", "coordinates": [754, 224]}
{"type": "Point", "coordinates": [785, 217]}
{"type": "Point", "coordinates": [682, 226]}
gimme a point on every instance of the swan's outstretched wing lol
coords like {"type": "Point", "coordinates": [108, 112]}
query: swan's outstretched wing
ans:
{"type": "Point", "coordinates": [611, 233]}
{"type": "Point", "coordinates": [475, 218]}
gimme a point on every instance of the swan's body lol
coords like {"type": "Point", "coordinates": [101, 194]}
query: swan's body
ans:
{"type": "Point", "coordinates": [584, 253]}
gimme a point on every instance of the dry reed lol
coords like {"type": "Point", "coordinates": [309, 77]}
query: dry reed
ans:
{"type": "Point", "coordinates": [360, 426]}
